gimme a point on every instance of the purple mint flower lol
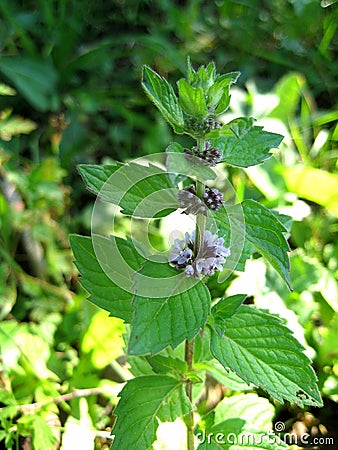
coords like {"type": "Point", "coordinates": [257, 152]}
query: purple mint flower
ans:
{"type": "Point", "coordinates": [211, 255]}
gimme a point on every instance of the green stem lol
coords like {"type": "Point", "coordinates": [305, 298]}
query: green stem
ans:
{"type": "Point", "coordinates": [189, 419]}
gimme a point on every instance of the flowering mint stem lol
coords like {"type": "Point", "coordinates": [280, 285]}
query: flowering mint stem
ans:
{"type": "Point", "coordinates": [189, 345]}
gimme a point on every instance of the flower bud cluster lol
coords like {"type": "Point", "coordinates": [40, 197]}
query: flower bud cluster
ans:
{"type": "Point", "coordinates": [190, 202]}
{"type": "Point", "coordinates": [210, 155]}
{"type": "Point", "coordinates": [212, 199]}
{"type": "Point", "coordinates": [209, 258]}
{"type": "Point", "coordinates": [199, 128]}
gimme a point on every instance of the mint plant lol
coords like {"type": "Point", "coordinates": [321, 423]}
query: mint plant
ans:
{"type": "Point", "coordinates": [181, 326]}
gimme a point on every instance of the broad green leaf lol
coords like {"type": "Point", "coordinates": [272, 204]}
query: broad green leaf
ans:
{"type": "Point", "coordinates": [304, 180]}
{"type": "Point", "coordinates": [162, 321]}
{"type": "Point", "coordinates": [164, 97]}
{"type": "Point", "coordinates": [246, 147]}
{"type": "Point", "coordinates": [36, 79]}
{"type": "Point", "coordinates": [243, 421]}
{"type": "Point", "coordinates": [103, 291]}
{"type": "Point", "coordinates": [263, 231]}
{"type": "Point", "coordinates": [141, 191]}
{"type": "Point", "coordinates": [260, 349]}
{"type": "Point", "coordinates": [177, 405]}
{"type": "Point", "coordinates": [143, 399]}
{"type": "Point", "coordinates": [192, 99]}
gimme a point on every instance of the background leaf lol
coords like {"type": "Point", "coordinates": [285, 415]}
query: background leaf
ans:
{"type": "Point", "coordinates": [36, 79]}
{"type": "Point", "coordinates": [301, 181]}
{"type": "Point", "coordinates": [103, 341]}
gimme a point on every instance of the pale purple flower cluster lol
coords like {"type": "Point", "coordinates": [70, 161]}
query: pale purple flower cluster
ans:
{"type": "Point", "coordinates": [210, 257]}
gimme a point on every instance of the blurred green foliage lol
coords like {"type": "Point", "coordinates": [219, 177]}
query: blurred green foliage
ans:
{"type": "Point", "coordinates": [70, 93]}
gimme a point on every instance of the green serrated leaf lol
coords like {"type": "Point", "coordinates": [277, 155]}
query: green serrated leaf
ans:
{"type": "Point", "coordinates": [95, 176]}
{"type": "Point", "coordinates": [168, 320]}
{"type": "Point", "coordinates": [261, 350]}
{"type": "Point", "coordinates": [164, 97]}
{"type": "Point", "coordinates": [263, 231]}
{"type": "Point", "coordinates": [226, 308]}
{"type": "Point", "coordinates": [247, 146]}
{"type": "Point", "coordinates": [103, 291]}
{"type": "Point", "coordinates": [192, 99]}
{"type": "Point", "coordinates": [267, 234]}
{"type": "Point", "coordinates": [141, 191]}
{"type": "Point", "coordinates": [143, 399]}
